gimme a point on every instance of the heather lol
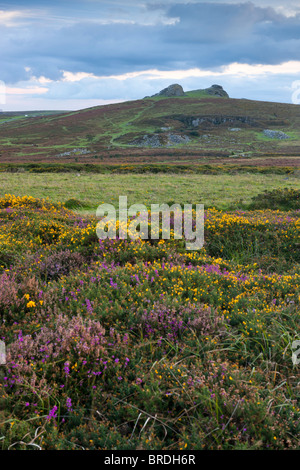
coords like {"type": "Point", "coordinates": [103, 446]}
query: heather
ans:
{"type": "Point", "coordinates": [122, 344]}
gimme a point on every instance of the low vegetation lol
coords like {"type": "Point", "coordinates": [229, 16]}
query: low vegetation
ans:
{"type": "Point", "coordinates": [121, 344]}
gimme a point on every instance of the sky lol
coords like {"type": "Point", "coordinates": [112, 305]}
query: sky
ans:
{"type": "Point", "coordinates": [74, 54]}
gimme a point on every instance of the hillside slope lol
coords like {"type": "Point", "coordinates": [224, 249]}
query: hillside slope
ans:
{"type": "Point", "coordinates": [159, 128]}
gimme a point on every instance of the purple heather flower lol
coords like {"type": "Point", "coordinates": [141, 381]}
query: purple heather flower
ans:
{"type": "Point", "coordinates": [89, 306]}
{"type": "Point", "coordinates": [52, 413]}
{"type": "Point", "coordinates": [67, 368]}
{"type": "Point", "coordinates": [69, 404]}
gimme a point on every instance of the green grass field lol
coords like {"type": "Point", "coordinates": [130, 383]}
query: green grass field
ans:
{"type": "Point", "coordinates": [221, 191]}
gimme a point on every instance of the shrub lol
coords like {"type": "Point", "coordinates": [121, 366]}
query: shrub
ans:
{"type": "Point", "coordinates": [73, 204]}
{"type": "Point", "coordinates": [171, 321]}
{"type": "Point", "coordinates": [60, 264]}
{"type": "Point", "coordinates": [283, 199]}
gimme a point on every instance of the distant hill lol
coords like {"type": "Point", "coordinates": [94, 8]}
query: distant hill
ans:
{"type": "Point", "coordinates": [203, 124]}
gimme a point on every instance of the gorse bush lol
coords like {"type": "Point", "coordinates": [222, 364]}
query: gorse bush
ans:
{"type": "Point", "coordinates": [286, 199]}
{"type": "Point", "coordinates": [252, 236]}
{"type": "Point", "coordinates": [124, 344]}
{"type": "Point", "coordinates": [73, 204]}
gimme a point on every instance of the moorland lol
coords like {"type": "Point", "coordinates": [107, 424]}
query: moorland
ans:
{"type": "Point", "coordinates": [143, 344]}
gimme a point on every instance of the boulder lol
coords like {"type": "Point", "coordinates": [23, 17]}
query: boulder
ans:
{"type": "Point", "coordinates": [275, 134]}
{"type": "Point", "coordinates": [216, 90]}
{"type": "Point", "coordinates": [171, 90]}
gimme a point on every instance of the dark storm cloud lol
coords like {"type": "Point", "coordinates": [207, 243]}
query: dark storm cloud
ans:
{"type": "Point", "coordinates": [74, 36]}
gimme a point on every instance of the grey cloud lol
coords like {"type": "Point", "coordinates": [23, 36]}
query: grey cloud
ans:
{"type": "Point", "coordinates": [207, 35]}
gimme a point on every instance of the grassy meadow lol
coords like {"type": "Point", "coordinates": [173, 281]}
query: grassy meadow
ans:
{"type": "Point", "coordinates": [222, 191]}
{"type": "Point", "coordinates": [121, 344]}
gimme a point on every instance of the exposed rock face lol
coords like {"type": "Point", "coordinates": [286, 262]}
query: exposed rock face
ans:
{"type": "Point", "coordinates": [172, 90]}
{"type": "Point", "coordinates": [153, 141]}
{"type": "Point", "coordinates": [275, 134]}
{"type": "Point", "coordinates": [177, 90]}
{"type": "Point", "coordinates": [174, 139]}
{"type": "Point", "coordinates": [158, 140]}
{"type": "Point", "coordinates": [216, 90]}
{"type": "Point", "coordinates": [216, 120]}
